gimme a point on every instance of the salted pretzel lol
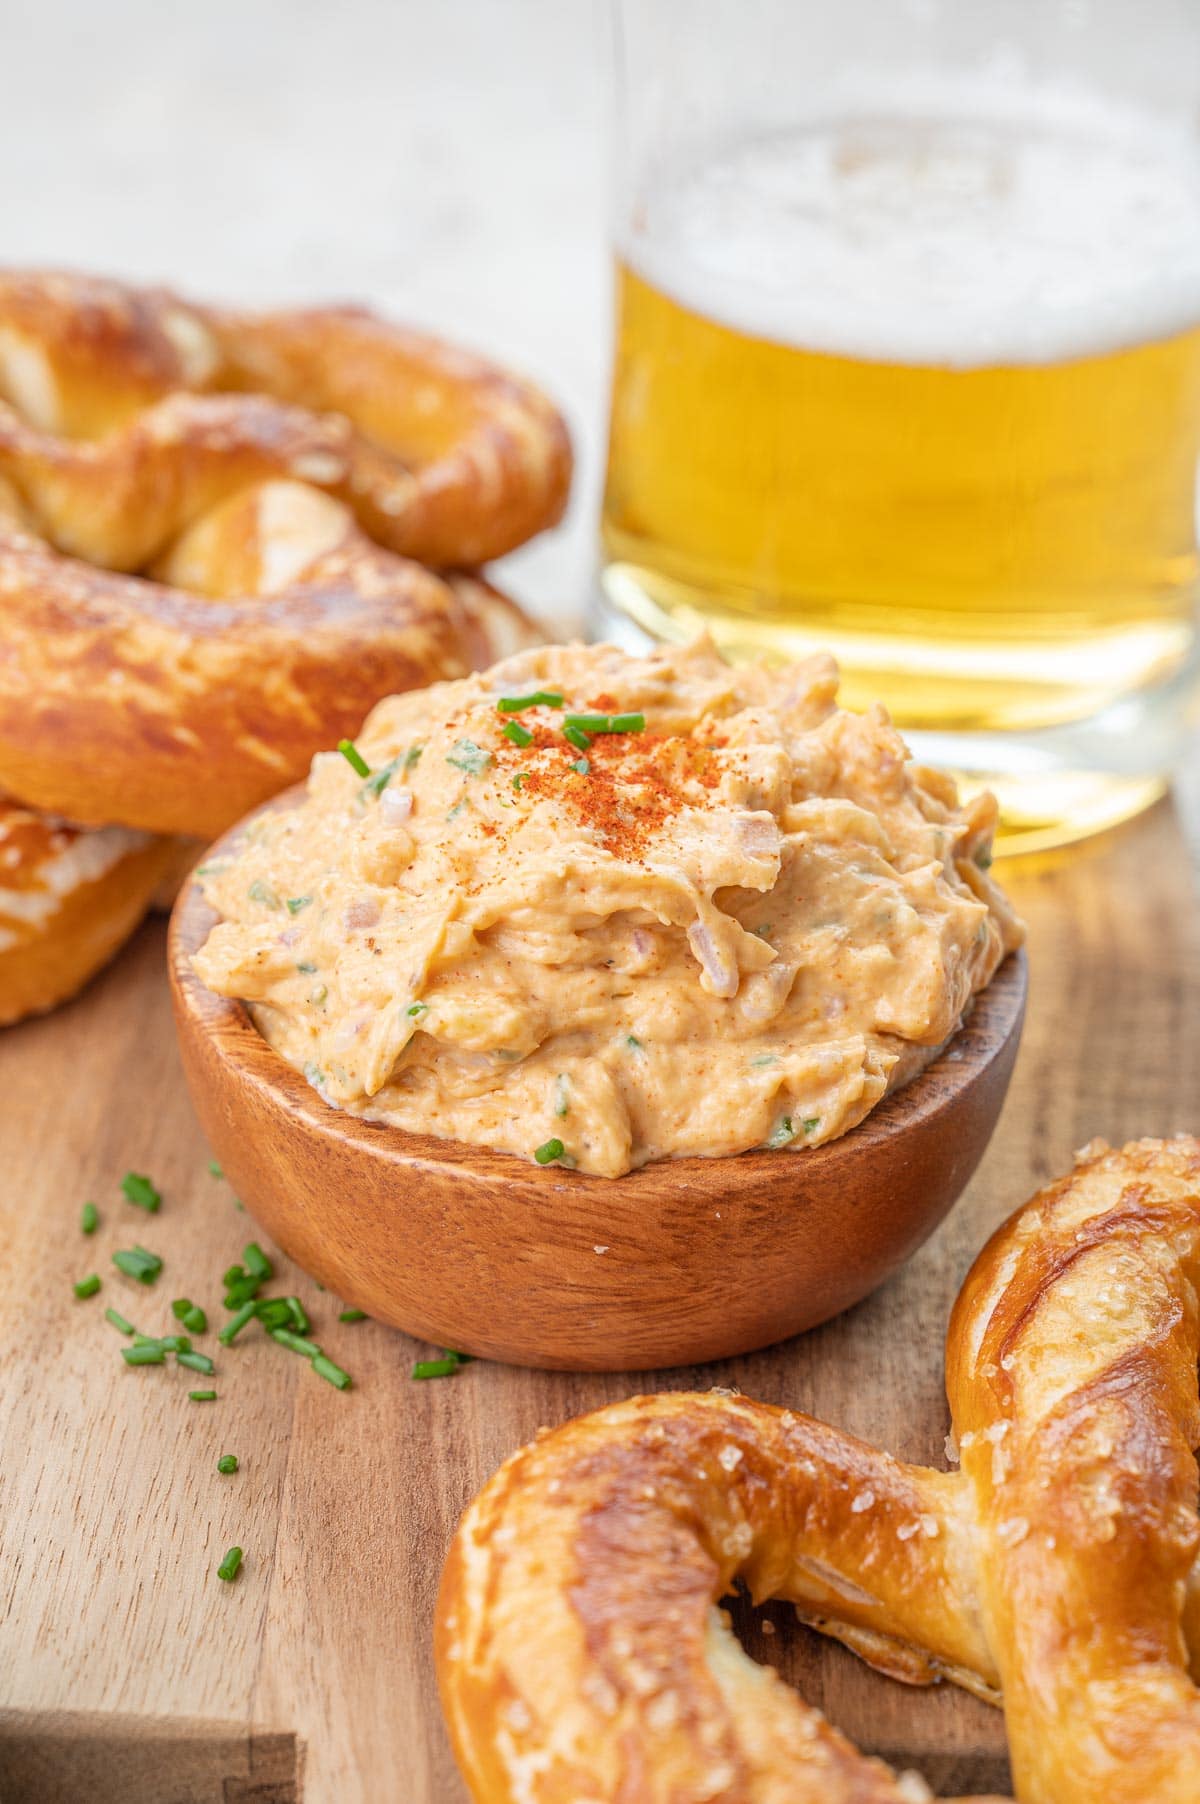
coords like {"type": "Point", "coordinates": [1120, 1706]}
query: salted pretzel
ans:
{"type": "Point", "coordinates": [208, 527]}
{"type": "Point", "coordinates": [581, 1653]}
{"type": "Point", "coordinates": [69, 898]}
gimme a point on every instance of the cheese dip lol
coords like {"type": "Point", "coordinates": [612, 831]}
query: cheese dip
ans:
{"type": "Point", "coordinates": [597, 910]}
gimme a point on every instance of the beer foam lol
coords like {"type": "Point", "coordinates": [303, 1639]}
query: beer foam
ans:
{"type": "Point", "coordinates": [981, 223]}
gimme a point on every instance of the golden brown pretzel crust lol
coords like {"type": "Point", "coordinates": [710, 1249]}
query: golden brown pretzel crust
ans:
{"type": "Point", "coordinates": [580, 1652]}
{"type": "Point", "coordinates": [68, 900]}
{"type": "Point", "coordinates": [200, 587]}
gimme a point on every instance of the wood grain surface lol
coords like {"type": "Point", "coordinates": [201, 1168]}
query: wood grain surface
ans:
{"type": "Point", "coordinates": [129, 1672]}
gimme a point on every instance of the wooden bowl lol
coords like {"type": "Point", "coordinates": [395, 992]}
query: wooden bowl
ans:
{"type": "Point", "coordinates": [683, 1261]}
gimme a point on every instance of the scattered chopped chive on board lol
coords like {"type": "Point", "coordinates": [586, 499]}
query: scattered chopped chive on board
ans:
{"type": "Point", "coordinates": [299, 1315]}
{"type": "Point", "coordinates": [295, 1343]}
{"type": "Point", "coordinates": [332, 1374]}
{"type": "Point", "coordinates": [215, 1169]}
{"type": "Point", "coordinates": [257, 1264]}
{"type": "Point", "coordinates": [228, 1569]}
{"type": "Point", "coordinates": [437, 1368]}
{"type": "Point", "coordinates": [202, 1396]}
{"type": "Point", "coordinates": [144, 1356]}
{"type": "Point", "coordinates": [227, 1463]}
{"type": "Point", "coordinates": [138, 1263]}
{"type": "Point", "coordinates": [196, 1362]}
{"type": "Point", "coordinates": [118, 1321]}
{"type": "Point", "coordinates": [354, 757]}
{"type": "Point", "coordinates": [87, 1287]}
{"type": "Point", "coordinates": [89, 1218]}
{"type": "Point", "coordinates": [236, 1323]}
{"type": "Point", "coordinates": [138, 1189]}
{"type": "Point", "coordinates": [353, 1315]}
{"type": "Point", "coordinates": [195, 1321]}
{"type": "Point", "coordinates": [548, 1151]}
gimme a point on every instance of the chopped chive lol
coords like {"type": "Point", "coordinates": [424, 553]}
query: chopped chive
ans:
{"type": "Point", "coordinates": [580, 765]}
{"type": "Point", "coordinates": [195, 1321]}
{"type": "Point", "coordinates": [87, 1287]}
{"type": "Point", "coordinates": [633, 1043]}
{"type": "Point", "coordinates": [139, 1191]}
{"type": "Point", "coordinates": [376, 784]}
{"type": "Point", "coordinates": [228, 1569]}
{"type": "Point", "coordinates": [118, 1321]}
{"type": "Point", "coordinates": [412, 756]}
{"type": "Point", "coordinates": [520, 780]}
{"type": "Point", "coordinates": [262, 892]}
{"type": "Point", "coordinates": [562, 1094]}
{"type": "Point", "coordinates": [176, 1343]}
{"type": "Point", "coordinates": [257, 1264]}
{"type": "Point", "coordinates": [334, 1374]}
{"type": "Point", "coordinates": [354, 757]}
{"type": "Point", "coordinates": [139, 1264]}
{"type": "Point", "coordinates": [299, 1315]}
{"type": "Point", "coordinates": [202, 1396]}
{"type": "Point", "coordinates": [89, 1218]}
{"type": "Point", "coordinates": [144, 1356]}
{"type": "Point", "coordinates": [417, 1008]}
{"type": "Point", "coordinates": [811, 1123]}
{"type": "Point", "coordinates": [236, 1323]}
{"type": "Point", "coordinates": [464, 1359]}
{"type": "Point", "coordinates": [782, 1133]}
{"type": "Point", "coordinates": [549, 1151]}
{"type": "Point", "coordinates": [295, 1343]}
{"type": "Point", "coordinates": [245, 1292]}
{"type": "Point", "coordinates": [196, 1362]}
{"type": "Point", "coordinates": [353, 1315]}
{"type": "Point", "coordinates": [604, 723]}
{"type": "Point", "coordinates": [540, 698]}
{"type": "Point", "coordinates": [577, 736]}
{"type": "Point", "coordinates": [517, 733]}
{"type": "Point", "coordinates": [227, 1463]}
{"type": "Point", "coordinates": [233, 1274]}
{"type": "Point", "coordinates": [627, 723]}
{"type": "Point", "coordinates": [466, 756]}
{"type": "Point", "coordinates": [273, 1312]}
{"type": "Point", "coordinates": [437, 1368]}
{"type": "Point", "coordinates": [306, 968]}
{"type": "Point", "coordinates": [180, 1307]}
{"type": "Point", "coordinates": [214, 1170]}
{"type": "Point", "coordinates": [296, 903]}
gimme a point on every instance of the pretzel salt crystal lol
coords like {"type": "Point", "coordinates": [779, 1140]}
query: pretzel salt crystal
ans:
{"type": "Point", "coordinates": [580, 1652]}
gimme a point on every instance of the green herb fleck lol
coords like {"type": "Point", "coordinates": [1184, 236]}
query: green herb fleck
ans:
{"type": "Point", "coordinates": [139, 1191]}
{"type": "Point", "coordinates": [412, 757]}
{"type": "Point", "coordinates": [581, 766]}
{"type": "Point", "coordinates": [354, 757]}
{"type": "Point", "coordinates": [540, 698]}
{"type": "Point", "coordinates": [262, 892]}
{"type": "Point", "coordinates": [353, 1315]}
{"type": "Point", "coordinates": [296, 903]}
{"type": "Point", "coordinates": [227, 1463]}
{"type": "Point", "coordinates": [437, 1368]}
{"type": "Point", "coordinates": [517, 733]}
{"type": "Point", "coordinates": [811, 1123]}
{"type": "Point", "coordinates": [236, 1323]}
{"type": "Point", "coordinates": [627, 723]}
{"type": "Point", "coordinates": [87, 1287]}
{"type": "Point", "coordinates": [577, 737]}
{"type": "Point", "coordinates": [202, 1396]}
{"type": "Point", "coordinates": [89, 1218]}
{"type": "Point", "coordinates": [562, 1094]}
{"type": "Point", "coordinates": [520, 780]}
{"type": "Point", "coordinates": [118, 1321]}
{"type": "Point", "coordinates": [983, 858]}
{"type": "Point", "coordinates": [633, 1043]}
{"type": "Point", "coordinates": [549, 1151]}
{"type": "Point", "coordinates": [417, 1008]}
{"type": "Point", "coordinates": [149, 1355]}
{"type": "Point", "coordinates": [307, 969]}
{"type": "Point", "coordinates": [466, 756]}
{"type": "Point", "coordinates": [139, 1264]}
{"type": "Point", "coordinates": [782, 1133]}
{"type": "Point", "coordinates": [256, 1261]}
{"type": "Point", "coordinates": [196, 1362]}
{"type": "Point", "coordinates": [230, 1565]}
{"type": "Point", "coordinates": [214, 1170]}
{"type": "Point", "coordinates": [376, 784]}
{"type": "Point", "coordinates": [332, 1374]}
{"type": "Point", "coordinates": [766, 1058]}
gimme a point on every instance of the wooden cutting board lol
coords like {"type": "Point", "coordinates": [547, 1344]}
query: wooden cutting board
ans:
{"type": "Point", "coordinates": [129, 1672]}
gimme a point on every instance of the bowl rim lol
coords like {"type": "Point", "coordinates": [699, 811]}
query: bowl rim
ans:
{"type": "Point", "coordinates": [986, 1032]}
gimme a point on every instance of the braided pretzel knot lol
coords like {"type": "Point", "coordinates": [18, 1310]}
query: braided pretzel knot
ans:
{"type": "Point", "coordinates": [207, 527]}
{"type": "Point", "coordinates": [583, 1660]}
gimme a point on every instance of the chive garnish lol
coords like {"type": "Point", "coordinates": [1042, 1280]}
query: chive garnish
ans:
{"type": "Point", "coordinates": [236, 1323]}
{"type": "Point", "coordinates": [295, 1343]}
{"type": "Point", "coordinates": [202, 1396]}
{"type": "Point", "coordinates": [256, 1261]}
{"type": "Point", "coordinates": [118, 1321]}
{"type": "Point", "coordinates": [354, 757]}
{"type": "Point", "coordinates": [437, 1368]}
{"type": "Point", "coordinates": [233, 1274]}
{"type": "Point", "coordinates": [89, 1218]}
{"type": "Point", "coordinates": [152, 1355]}
{"type": "Point", "coordinates": [180, 1307]}
{"type": "Point", "coordinates": [520, 780]}
{"type": "Point", "coordinates": [87, 1287]}
{"type": "Point", "coordinates": [577, 736]}
{"type": "Point", "coordinates": [227, 1463]}
{"type": "Point", "coordinates": [214, 1169]}
{"type": "Point", "coordinates": [417, 1008]}
{"type": "Point", "coordinates": [296, 903]}
{"type": "Point", "coordinates": [811, 1123]}
{"type": "Point", "coordinates": [243, 1292]}
{"type": "Point", "coordinates": [353, 1315]}
{"type": "Point", "coordinates": [139, 1264]}
{"type": "Point", "coordinates": [196, 1362]}
{"type": "Point", "coordinates": [195, 1321]}
{"type": "Point", "coordinates": [262, 892]}
{"type": "Point", "coordinates": [627, 723]}
{"type": "Point", "coordinates": [604, 723]}
{"type": "Point", "coordinates": [580, 765]}
{"type": "Point", "coordinates": [549, 1151]}
{"type": "Point", "coordinates": [228, 1569]}
{"type": "Point", "coordinates": [466, 756]}
{"type": "Point", "coordinates": [562, 1094]}
{"type": "Point", "coordinates": [333, 1374]}
{"type": "Point", "coordinates": [141, 1192]}
{"type": "Point", "coordinates": [273, 1312]}
{"type": "Point", "coordinates": [782, 1133]}
{"type": "Point", "coordinates": [517, 733]}
{"type": "Point", "coordinates": [298, 1314]}
{"type": "Point", "coordinates": [540, 698]}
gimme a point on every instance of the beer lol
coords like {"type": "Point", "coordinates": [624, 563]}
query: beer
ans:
{"type": "Point", "coordinates": [924, 390]}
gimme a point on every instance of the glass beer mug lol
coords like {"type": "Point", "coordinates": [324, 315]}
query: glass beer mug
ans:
{"type": "Point", "coordinates": [907, 367]}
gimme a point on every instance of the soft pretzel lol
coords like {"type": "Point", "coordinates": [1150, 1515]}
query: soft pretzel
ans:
{"type": "Point", "coordinates": [68, 899]}
{"type": "Point", "coordinates": [200, 587]}
{"type": "Point", "coordinates": [581, 1654]}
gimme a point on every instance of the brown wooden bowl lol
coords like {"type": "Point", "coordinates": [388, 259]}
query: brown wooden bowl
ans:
{"type": "Point", "coordinates": [683, 1261]}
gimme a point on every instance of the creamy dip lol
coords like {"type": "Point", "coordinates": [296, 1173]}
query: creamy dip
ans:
{"type": "Point", "coordinates": [721, 914]}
